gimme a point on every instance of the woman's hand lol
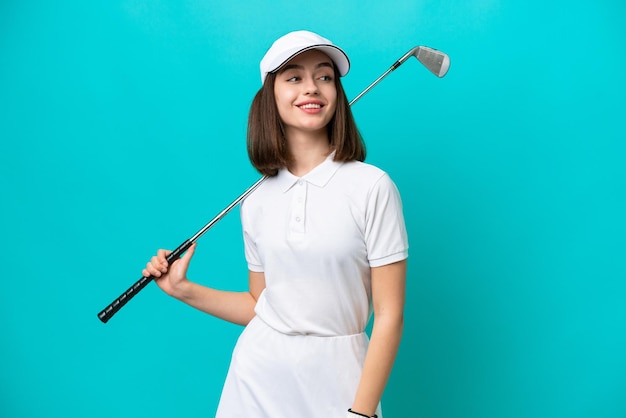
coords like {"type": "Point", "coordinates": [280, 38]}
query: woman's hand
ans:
{"type": "Point", "coordinates": [171, 279]}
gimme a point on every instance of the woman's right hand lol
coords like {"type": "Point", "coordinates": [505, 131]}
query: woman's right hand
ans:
{"type": "Point", "coordinates": [171, 279]}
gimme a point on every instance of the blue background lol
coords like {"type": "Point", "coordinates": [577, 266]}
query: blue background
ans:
{"type": "Point", "coordinates": [122, 126]}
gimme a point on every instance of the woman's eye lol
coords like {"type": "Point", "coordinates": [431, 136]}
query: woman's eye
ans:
{"type": "Point", "coordinates": [294, 78]}
{"type": "Point", "coordinates": [326, 78]}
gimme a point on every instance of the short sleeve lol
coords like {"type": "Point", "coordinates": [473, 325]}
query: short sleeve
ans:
{"type": "Point", "coordinates": [252, 254]}
{"type": "Point", "coordinates": [385, 234]}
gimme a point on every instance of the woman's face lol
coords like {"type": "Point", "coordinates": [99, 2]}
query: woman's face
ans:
{"type": "Point", "coordinates": [306, 96]}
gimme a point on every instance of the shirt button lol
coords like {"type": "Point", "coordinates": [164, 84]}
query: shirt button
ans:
{"type": "Point", "coordinates": [300, 182]}
{"type": "Point", "coordinates": [298, 219]}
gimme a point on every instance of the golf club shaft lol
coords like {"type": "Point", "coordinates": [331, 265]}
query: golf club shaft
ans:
{"type": "Point", "coordinates": [108, 312]}
{"type": "Point", "coordinates": [385, 74]}
{"type": "Point", "coordinates": [371, 86]}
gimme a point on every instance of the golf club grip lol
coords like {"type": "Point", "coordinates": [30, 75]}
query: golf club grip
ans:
{"type": "Point", "coordinates": [108, 312]}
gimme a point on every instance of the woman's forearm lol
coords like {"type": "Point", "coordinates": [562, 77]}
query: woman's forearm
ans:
{"type": "Point", "coordinates": [381, 354]}
{"type": "Point", "coordinates": [235, 307]}
{"type": "Point", "coordinates": [388, 294]}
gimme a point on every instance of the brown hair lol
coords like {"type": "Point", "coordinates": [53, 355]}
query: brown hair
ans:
{"type": "Point", "coordinates": [267, 148]}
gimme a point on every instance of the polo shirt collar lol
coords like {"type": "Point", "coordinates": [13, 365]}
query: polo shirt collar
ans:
{"type": "Point", "coordinates": [319, 176]}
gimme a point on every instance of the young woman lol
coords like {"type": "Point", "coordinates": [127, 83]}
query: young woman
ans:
{"type": "Point", "coordinates": [325, 243]}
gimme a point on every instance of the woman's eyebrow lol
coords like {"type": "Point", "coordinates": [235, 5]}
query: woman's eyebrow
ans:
{"type": "Point", "coordinates": [300, 67]}
{"type": "Point", "coordinates": [324, 64]}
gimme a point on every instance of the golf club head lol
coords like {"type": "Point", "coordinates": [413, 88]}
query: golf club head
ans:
{"type": "Point", "coordinates": [436, 61]}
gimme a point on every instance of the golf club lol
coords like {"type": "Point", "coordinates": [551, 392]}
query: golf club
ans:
{"type": "Point", "coordinates": [437, 62]}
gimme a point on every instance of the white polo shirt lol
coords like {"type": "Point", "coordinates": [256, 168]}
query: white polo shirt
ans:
{"type": "Point", "coordinates": [315, 238]}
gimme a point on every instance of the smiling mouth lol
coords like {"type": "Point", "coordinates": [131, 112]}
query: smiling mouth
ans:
{"type": "Point", "coordinates": [311, 106]}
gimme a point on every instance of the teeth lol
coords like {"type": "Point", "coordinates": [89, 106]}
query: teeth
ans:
{"type": "Point", "coordinates": [311, 106]}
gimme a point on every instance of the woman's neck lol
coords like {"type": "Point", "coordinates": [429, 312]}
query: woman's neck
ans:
{"type": "Point", "coordinates": [308, 150]}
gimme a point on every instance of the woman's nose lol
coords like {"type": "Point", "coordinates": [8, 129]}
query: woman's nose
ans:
{"type": "Point", "coordinates": [310, 86]}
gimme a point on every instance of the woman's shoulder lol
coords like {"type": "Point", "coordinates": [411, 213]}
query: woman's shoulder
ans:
{"type": "Point", "coordinates": [360, 177]}
{"type": "Point", "coordinates": [364, 171]}
{"type": "Point", "coordinates": [363, 167]}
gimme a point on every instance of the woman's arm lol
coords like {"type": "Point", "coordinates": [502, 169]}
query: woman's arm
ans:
{"type": "Point", "coordinates": [388, 294]}
{"type": "Point", "coordinates": [236, 307]}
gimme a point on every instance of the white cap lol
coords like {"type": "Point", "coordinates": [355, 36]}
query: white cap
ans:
{"type": "Point", "coordinates": [294, 43]}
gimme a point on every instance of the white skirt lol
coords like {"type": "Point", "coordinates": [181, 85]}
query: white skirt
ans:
{"type": "Point", "coordinates": [274, 375]}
